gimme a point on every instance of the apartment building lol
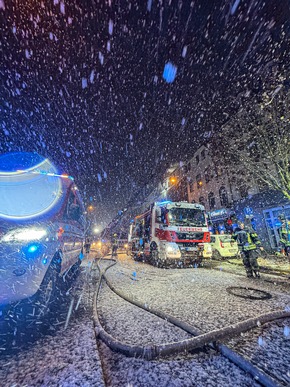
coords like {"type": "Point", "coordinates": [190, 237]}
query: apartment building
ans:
{"type": "Point", "coordinates": [211, 185]}
{"type": "Point", "coordinates": [201, 180]}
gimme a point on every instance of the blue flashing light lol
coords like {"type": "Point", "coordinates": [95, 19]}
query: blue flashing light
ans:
{"type": "Point", "coordinates": [81, 256]}
{"type": "Point", "coordinates": [40, 172]}
{"type": "Point", "coordinates": [44, 261]}
{"type": "Point", "coordinates": [33, 250]}
{"type": "Point", "coordinates": [163, 203]}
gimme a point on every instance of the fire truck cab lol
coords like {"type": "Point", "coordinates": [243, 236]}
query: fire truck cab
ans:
{"type": "Point", "coordinates": [170, 234]}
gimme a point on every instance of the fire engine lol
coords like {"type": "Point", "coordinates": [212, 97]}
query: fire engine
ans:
{"type": "Point", "coordinates": [170, 234]}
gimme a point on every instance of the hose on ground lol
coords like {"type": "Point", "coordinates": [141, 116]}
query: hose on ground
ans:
{"type": "Point", "coordinates": [150, 352]}
{"type": "Point", "coordinates": [245, 365]}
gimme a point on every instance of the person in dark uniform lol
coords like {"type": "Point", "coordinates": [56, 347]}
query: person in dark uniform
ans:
{"type": "Point", "coordinates": [248, 243]}
{"type": "Point", "coordinates": [284, 235]}
{"type": "Point", "coordinates": [114, 245]}
{"type": "Point", "coordinates": [88, 245]}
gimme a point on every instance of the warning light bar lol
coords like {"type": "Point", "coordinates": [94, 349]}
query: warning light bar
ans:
{"type": "Point", "coordinates": [163, 203]}
{"type": "Point", "coordinates": [47, 174]}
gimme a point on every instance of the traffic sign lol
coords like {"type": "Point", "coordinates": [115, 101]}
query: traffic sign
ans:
{"type": "Point", "coordinates": [248, 211]}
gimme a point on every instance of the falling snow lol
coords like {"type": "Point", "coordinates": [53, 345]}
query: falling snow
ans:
{"type": "Point", "coordinates": [111, 27]}
{"type": "Point", "coordinates": [169, 72]}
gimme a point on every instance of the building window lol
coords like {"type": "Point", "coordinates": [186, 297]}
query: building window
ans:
{"type": "Point", "coordinates": [218, 172]}
{"type": "Point", "coordinates": [202, 154]}
{"type": "Point", "coordinates": [198, 181]}
{"type": "Point", "coordinates": [211, 200]}
{"type": "Point", "coordinates": [223, 197]}
{"type": "Point", "coordinates": [244, 190]}
{"type": "Point", "coordinates": [207, 174]}
{"type": "Point", "coordinates": [201, 200]}
{"type": "Point", "coordinates": [187, 167]}
{"type": "Point", "coordinates": [197, 159]}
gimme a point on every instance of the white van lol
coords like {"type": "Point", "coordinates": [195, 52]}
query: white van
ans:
{"type": "Point", "coordinates": [42, 229]}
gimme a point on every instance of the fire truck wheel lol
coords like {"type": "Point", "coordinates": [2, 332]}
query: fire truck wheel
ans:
{"type": "Point", "coordinates": [133, 252]}
{"type": "Point", "coordinates": [154, 256]}
{"type": "Point", "coordinates": [217, 255]}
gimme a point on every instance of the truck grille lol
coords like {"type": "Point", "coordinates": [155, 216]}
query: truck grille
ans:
{"type": "Point", "coordinates": [187, 244]}
{"type": "Point", "coordinates": [190, 235]}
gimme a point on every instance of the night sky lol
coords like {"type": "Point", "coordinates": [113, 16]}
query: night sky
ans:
{"type": "Point", "coordinates": [82, 83]}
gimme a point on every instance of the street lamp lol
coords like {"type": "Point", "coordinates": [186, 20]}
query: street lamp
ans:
{"type": "Point", "coordinates": [172, 180]}
{"type": "Point", "coordinates": [96, 230]}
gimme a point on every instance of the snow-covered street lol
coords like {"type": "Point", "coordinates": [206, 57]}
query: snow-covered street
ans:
{"type": "Point", "coordinates": [71, 356]}
{"type": "Point", "coordinates": [145, 193]}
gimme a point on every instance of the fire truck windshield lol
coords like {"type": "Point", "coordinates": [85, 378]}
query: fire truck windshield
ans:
{"type": "Point", "coordinates": [186, 217]}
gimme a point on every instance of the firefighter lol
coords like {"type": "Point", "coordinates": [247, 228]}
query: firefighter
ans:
{"type": "Point", "coordinates": [114, 245]}
{"type": "Point", "coordinates": [88, 245]}
{"type": "Point", "coordinates": [248, 243]}
{"type": "Point", "coordinates": [284, 234]}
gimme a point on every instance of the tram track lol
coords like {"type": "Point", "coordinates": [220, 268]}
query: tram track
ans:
{"type": "Point", "coordinates": [196, 341]}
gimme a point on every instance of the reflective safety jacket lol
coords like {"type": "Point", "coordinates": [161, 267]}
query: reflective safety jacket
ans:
{"type": "Point", "coordinates": [284, 234]}
{"type": "Point", "coordinates": [246, 239]}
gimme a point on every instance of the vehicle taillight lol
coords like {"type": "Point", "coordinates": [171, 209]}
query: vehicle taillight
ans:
{"type": "Point", "coordinates": [207, 237]}
{"type": "Point", "coordinates": [222, 245]}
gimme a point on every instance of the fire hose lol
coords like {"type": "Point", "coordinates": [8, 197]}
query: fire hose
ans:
{"type": "Point", "coordinates": [151, 351]}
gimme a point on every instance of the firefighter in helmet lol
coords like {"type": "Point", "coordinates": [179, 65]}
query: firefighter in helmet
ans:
{"type": "Point", "coordinates": [248, 243]}
{"type": "Point", "coordinates": [284, 234]}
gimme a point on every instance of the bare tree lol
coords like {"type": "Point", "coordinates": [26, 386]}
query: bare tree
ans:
{"type": "Point", "coordinates": [255, 143]}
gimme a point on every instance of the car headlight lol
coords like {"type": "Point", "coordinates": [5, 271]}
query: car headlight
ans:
{"type": "Point", "coordinates": [207, 248]}
{"type": "Point", "coordinates": [24, 235]}
{"type": "Point", "coordinates": [172, 248]}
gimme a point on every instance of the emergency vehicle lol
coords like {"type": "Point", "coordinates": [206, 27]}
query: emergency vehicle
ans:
{"type": "Point", "coordinates": [170, 234]}
{"type": "Point", "coordinates": [42, 232]}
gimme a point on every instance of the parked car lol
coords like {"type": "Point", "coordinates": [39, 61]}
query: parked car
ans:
{"type": "Point", "coordinates": [42, 228]}
{"type": "Point", "coordinates": [223, 246]}
{"type": "Point", "coordinates": [207, 250]}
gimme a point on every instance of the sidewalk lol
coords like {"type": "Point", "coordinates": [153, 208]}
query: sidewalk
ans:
{"type": "Point", "coordinates": [278, 264]}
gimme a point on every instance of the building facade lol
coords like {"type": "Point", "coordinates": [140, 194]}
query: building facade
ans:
{"type": "Point", "coordinates": [211, 185]}
{"type": "Point", "coordinates": [227, 198]}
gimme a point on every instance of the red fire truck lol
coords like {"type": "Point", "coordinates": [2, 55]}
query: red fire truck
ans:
{"type": "Point", "coordinates": [170, 234]}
